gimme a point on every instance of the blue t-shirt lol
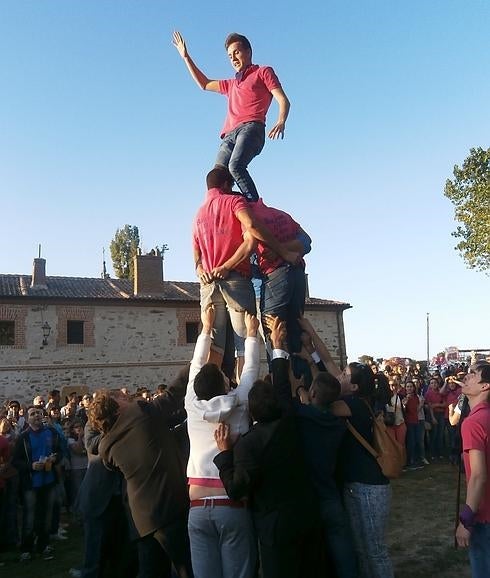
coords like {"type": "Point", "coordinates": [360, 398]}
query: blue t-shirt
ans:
{"type": "Point", "coordinates": [42, 444]}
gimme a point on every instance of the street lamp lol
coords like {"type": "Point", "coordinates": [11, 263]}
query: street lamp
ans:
{"type": "Point", "coordinates": [46, 332]}
{"type": "Point", "coordinates": [428, 340]}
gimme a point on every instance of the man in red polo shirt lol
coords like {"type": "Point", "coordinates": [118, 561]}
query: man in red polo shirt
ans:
{"type": "Point", "coordinates": [474, 527]}
{"type": "Point", "coordinates": [283, 288]}
{"type": "Point", "coordinates": [224, 234]}
{"type": "Point", "coordinates": [249, 95]}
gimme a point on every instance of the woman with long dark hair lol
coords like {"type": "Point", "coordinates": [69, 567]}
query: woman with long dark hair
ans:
{"type": "Point", "coordinates": [367, 492]}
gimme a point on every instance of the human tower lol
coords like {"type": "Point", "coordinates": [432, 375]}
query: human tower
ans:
{"type": "Point", "coordinates": [243, 249]}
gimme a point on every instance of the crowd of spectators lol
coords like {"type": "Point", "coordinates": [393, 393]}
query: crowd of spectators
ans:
{"type": "Point", "coordinates": [419, 408]}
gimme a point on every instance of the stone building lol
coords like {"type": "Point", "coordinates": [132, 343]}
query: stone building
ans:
{"type": "Point", "coordinates": [68, 332]}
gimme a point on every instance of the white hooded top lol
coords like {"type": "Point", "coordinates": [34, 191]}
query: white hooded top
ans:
{"type": "Point", "coordinates": [203, 416]}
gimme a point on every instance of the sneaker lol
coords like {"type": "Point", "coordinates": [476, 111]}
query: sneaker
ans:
{"type": "Point", "coordinates": [75, 573]}
{"type": "Point", "coordinates": [58, 536]}
{"type": "Point", "coordinates": [425, 462]}
{"type": "Point", "coordinates": [48, 553]}
{"type": "Point", "coordinates": [62, 531]}
{"type": "Point", "coordinates": [25, 557]}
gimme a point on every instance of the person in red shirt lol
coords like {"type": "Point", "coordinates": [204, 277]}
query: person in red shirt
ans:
{"type": "Point", "coordinates": [474, 527]}
{"type": "Point", "coordinates": [452, 392]}
{"type": "Point", "coordinates": [435, 400]}
{"type": "Point", "coordinates": [411, 404]}
{"type": "Point", "coordinates": [249, 95]}
{"type": "Point", "coordinates": [224, 234]}
{"type": "Point", "coordinates": [283, 287]}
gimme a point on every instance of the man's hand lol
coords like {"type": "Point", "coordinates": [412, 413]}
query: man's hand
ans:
{"type": "Point", "coordinates": [252, 324]}
{"type": "Point", "coordinates": [305, 325]}
{"type": "Point", "coordinates": [220, 272]}
{"type": "Point", "coordinates": [203, 276]}
{"type": "Point", "coordinates": [306, 342]}
{"type": "Point", "coordinates": [278, 334]}
{"type": "Point", "coordinates": [277, 131]}
{"type": "Point", "coordinates": [207, 319]}
{"type": "Point", "coordinates": [222, 437]}
{"type": "Point", "coordinates": [179, 43]}
{"type": "Point", "coordinates": [38, 466]}
{"type": "Point", "coordinates": [462, 536]}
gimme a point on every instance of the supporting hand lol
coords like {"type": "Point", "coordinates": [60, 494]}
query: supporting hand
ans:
{"type": "Point", "coordinates": [204, 277]}
{"type": "Point", "coordinates": [222, 437]}
{"type": "Point", "coordinates": [220, 272]}
{"type": "Point", "coordinates": [252, 324]}
{"type": "Point", "coordinates": [278, 334]}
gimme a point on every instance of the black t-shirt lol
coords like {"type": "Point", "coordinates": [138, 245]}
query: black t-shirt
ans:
{"type": "Point", "coordinates": [356, 463]}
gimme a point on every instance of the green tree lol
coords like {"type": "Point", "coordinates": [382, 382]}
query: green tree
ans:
{"type": "Point", "coordinates": [469, 192]}
{"type": "Point", "coordinates": [123, 249]}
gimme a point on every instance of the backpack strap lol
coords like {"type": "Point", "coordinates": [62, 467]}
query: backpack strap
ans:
{"type": "Point", "coordinates": [362, 440]}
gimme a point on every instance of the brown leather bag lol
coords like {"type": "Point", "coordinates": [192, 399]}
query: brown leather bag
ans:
{"type": "Point", "coordinates": [390, 454]}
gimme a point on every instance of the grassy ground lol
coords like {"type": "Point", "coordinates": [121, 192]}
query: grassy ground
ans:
{"type": "Point", "coordinates": [420, 537]}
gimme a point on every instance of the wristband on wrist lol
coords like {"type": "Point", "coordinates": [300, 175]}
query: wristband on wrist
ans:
{"type": "Point", "coordinates": [467, 517]}
{"type": "Point", "coordinates": [315, 357]}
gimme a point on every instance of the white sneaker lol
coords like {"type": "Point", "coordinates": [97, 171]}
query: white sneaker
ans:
{"type": "Point", "coordinates": [425, 461]}
{"type": "Point", "coordinates": [48, 553]}
{"type": "Point", "coordinates": [75, 573]}
{"type": "Point", "coordinates": [25, 557]}
{"type": "Point", "coordinates": [58, 536]}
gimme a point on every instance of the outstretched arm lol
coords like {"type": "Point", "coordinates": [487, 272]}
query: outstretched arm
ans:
{"type": "Point", "coordinates": [320, 347]}
{"type": "Point", "coordinates": [277, 131]}
{"type": "Point", "coordinates": [201, 351]}
{"type": "Point", "coordinates": [200, 78]}
{"type": "Point", "coordinates": [262, 233]}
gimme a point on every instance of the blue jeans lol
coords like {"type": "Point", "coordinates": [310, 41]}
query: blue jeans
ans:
{"type": "Point", "coordinates": [338, 537]}
{"type": "Point", "coordinates": [437, 436]}
{"type": "Point", "coordinates": [480, 551]}
{"type": "Point", "coordinates": [368, 507]}
{"type": "Point", "coordinates": [223, 543]}
{"type": "Point", "coordinates": [237, 149]}
{"type": "Point", "coordinates": [37, 511]}
{"type": "Point", "coordinates": [283, 295]}
{"type": "Point", "coordinates": [413, 456]}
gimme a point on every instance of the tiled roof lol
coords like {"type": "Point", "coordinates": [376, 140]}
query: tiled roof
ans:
{"type": "Point", "coordinates": [19, 286]}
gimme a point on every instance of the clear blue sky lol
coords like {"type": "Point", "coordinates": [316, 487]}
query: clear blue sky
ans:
{"type": "Point", "coordinates": [100, 125]}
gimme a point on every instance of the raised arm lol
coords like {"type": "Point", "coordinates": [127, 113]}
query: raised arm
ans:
{"type": "Point", "coordinates": [277, 131]}
{"type": "Point", "coordinates": [251, 366]}
{"type": "Point", "coordinates": [320, 347]}
{"type": "Point", "coordinates": [200, 78]}
{"type": "Point", "coordinates": [201, 351]}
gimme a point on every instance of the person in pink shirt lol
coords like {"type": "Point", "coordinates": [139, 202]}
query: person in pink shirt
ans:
{"type": "Point", "coordinates": [224, 234]}
{"type": "Point", "coordinates": [249, 94]}
{"type": "Point", "coordinates": [451, 391]}
{"type": "Point", "coordinates": [435, 400]}
{"type": "Point", "coordinates": [283, 287]}
{"type": "Point", "coordinates": [474, 527]}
